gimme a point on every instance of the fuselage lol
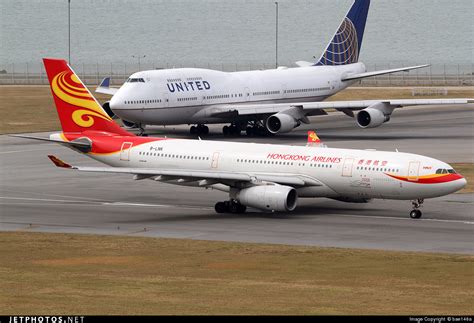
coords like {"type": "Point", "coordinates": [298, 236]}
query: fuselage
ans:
{"type": "Point", "coordinates": [345, 174]}
{"type": "Point", "coordinates": [187, 95]}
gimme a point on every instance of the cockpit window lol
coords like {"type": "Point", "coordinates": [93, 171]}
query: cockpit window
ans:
{"type": "Point", "coordinates": [445, 171]}
{"type": "Point", "coordinates": [135, 80]}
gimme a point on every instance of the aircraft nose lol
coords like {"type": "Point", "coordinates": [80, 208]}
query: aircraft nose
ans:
{"type": "Point", "coordinates": [462, 182]}
{"type": "Point", "coordinates": [115, 102]}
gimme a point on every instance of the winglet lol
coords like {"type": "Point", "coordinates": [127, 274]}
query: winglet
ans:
{"type": "Point", "coordinates": [58, 162]}
{"type": "Point", "coordinates": [313, 140]}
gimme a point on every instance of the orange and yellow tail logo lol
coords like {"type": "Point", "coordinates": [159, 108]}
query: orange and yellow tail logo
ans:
{"type": "Point", "coordinates": [77, 109]}
{"type": "Point", "coordinates": [69, 88]}
{"type": "Point", "coordinates": [313, 137]}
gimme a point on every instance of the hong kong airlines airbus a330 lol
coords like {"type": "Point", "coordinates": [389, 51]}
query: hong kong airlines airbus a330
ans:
{"type": "Point", "coordinates": [262, 176]}
{"type": "Point", "coordinates": [258, 102]}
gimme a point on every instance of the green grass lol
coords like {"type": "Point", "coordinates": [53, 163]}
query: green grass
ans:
{"type": "Point", "coordinates": [89, 274]}
{"type": "Point", "coordinates": [466, 170]}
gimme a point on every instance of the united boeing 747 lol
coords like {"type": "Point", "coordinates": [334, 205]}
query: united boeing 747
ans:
{"type": "Point", "coordinates": [262, 101]}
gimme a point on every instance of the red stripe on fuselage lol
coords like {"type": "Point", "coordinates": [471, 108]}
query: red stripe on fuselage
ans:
{"type": "Point", "coordinates": [445, 178]}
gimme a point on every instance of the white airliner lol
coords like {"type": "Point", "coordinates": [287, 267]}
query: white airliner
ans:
{"type": "Point", "coordinates": [260, 102]}
{"type": "Point", "coordinates": [263, 176]}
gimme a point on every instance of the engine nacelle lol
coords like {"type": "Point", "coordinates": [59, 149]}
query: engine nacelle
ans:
{"type": "Point", "coordinates": [108, 110]}
{"type": "Point", "coordinates": [268, 197]}
{"type": "Point", "coordinates": [129, 124]}
{"type": "Point", "coordinates": [371, 118]}
{"type": "Point", "coordinates": [281, 122]}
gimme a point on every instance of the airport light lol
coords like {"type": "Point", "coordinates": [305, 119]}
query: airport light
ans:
{"type": "Point", "coordinates": [276, 36]}
{"type": "Point", "coordinates": [139, 57]}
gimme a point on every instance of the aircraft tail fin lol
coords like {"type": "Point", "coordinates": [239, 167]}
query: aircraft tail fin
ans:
{"type": "Point", "coordinates": [313, 140]}
{"type": "Point", "coordinates": [344, 48]}
{"type": "Point", "coordinates": [77, 109]}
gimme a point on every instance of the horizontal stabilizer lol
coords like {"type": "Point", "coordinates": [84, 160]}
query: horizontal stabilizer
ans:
{"type": "Point", "coordinates": [381, 72]}
{"type": "Point", "coordinates": [304, 63]}
{"type": "Point", "coordinates": [104, 87]}
{"type": "Point", "coordinates": [80, 145]}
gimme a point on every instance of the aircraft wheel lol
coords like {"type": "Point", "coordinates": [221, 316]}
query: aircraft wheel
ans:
{"type": "Point", "coordinates": [234, 130]}
{"type": "Point", "coordinates": [205, 130]}
{"type": "Point", "coordinates": [250, 131]}
{"type": "Point", "coordinates": [226, 130]}
{"type": "Point", "coordinates": [220, 207]}
{"type": "Point", "coordinates": [241, 208]}
{"type": "Point", "coordinates": [193, 130]}
{"type": "Point", "coordinates": [415, 214]}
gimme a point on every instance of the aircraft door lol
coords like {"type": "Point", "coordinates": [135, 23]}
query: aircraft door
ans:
{"type": "Point", "coordinates": [347, 167]}
{"type": "Point", "coordinates": [125, 151]}
{"type": "Point", "coordinates": [413, 171]}
{"type": "Point", "coordinates": [247, 94]}
{"type": "Point", "coordinates": [215, 160]}
{"type": "Point", "coordinates": [165, 100]}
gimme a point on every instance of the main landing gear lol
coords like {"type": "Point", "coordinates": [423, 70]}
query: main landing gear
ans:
{"type": "Point", "coordinates": [199, 130]}
{"type": "Point", "coordinates": [257, 128]}
{"type": "Point", "coordinates": [231, 206]}
{"type": "Point", "coordinates": [252, 129]}
{"type": "Point", "coordinates": [232, 130]}
{"type": "Point", "coordinates": [416, 213]}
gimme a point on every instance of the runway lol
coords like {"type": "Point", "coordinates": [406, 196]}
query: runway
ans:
{"type": "Point", "coordinates": [36, 196]}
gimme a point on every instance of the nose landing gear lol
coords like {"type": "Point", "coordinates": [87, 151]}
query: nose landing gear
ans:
{"type": "Point", "coordinates": [416, 213]}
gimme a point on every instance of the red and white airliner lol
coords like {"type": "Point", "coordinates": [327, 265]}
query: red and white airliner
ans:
{"type": "Point", "coordinates": [263, 176]}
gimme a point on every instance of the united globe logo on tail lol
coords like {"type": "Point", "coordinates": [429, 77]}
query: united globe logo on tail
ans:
{"type": "Point", "coordinates": [67, 87]}
{"type": "Point", "coordinates": [344, 47]}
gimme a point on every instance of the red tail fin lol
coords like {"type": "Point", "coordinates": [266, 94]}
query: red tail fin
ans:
{"type": "Point", "coordinates": [77, 109]}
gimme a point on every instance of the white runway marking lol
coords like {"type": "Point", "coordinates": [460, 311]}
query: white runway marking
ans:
{"type": "Point", "coordinates": [104, 203]}
{"type": "Point", "coordinates": [405, 219]}
{"type": "Point", "coordinates": [210, 208]}
{"type": "Point", "coordinates": [45, 200]}
{"type": "Point", "coordinates": [20, 151]}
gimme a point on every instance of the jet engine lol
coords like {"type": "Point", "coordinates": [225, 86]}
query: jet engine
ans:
{"type": "Point", "coordinates": [268, 197]}
{"type": "Point", "coordinates": [281, 122]}
{"type": "Point", "coordinates": [374, 115]}
{"type": "Point", "coordinates": [110, 113]}
{"type": "Point", "coordinates": [130, 124]}
{"type": "Point", "coordinates": [108, 110]}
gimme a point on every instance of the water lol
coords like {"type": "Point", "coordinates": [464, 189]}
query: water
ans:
{"type": "Point", "coordinates": [196, 33]}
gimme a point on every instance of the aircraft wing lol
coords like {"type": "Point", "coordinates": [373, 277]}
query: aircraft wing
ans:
{"type": "Point", "coordinates": [318, 108]}
{"type": "Point", "coordinates": [203, 177]}
{"type": "Point", "coordinates": [104, 87]}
